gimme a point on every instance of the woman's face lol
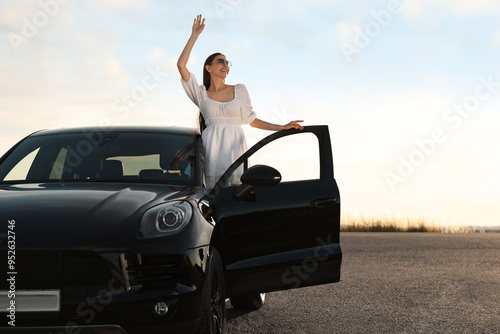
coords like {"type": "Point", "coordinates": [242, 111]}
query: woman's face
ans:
{"type": "Point", "coordinates": [219, 67]}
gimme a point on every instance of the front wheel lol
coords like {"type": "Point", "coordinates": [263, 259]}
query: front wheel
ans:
{"type": "Point", "coordinates": [213, 315]}
{"type": "Point", "coordinates": [248, 301]}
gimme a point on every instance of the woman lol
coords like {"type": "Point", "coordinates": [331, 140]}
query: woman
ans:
{"type": "Point", "coordinates": [223, 109]}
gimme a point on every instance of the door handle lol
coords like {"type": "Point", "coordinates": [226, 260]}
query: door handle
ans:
{"type": "Point", "coordinates": [323, 202]}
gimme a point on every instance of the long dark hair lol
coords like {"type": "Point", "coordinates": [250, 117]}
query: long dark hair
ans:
{"type": "Point", "coordinates": [206, 83]}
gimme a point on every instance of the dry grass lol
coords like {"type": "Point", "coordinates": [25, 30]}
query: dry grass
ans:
{"type": "Point", "coordinates": [397, 224]}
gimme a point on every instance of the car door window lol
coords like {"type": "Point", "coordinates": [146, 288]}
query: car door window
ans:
{"type": "Point", "coordinates": [295, 156]}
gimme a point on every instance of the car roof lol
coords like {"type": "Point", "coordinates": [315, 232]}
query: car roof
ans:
{"type": "Point", "coordinates": [149, 129]}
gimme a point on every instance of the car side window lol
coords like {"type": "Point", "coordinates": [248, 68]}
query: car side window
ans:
{"type": "Point", "coordinates": [295, 156]}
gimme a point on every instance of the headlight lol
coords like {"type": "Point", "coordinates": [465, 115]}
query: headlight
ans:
{"type": "Point", "coordinates": [165, 219]}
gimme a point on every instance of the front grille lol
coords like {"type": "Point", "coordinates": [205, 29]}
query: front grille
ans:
{"type": "Point", "coordinates": [76, 273]}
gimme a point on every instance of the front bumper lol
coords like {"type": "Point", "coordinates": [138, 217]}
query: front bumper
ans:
{"type": "Point", "coordinates": [183, 327]}
{"type": "Point", "coordinates": [111, 292]}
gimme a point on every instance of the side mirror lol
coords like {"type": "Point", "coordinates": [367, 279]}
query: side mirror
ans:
{"type": "Point", "coordinates": [253, 177]}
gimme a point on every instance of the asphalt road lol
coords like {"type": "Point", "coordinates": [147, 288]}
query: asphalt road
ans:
{"type": "Point", "coordinates": [393, 283]}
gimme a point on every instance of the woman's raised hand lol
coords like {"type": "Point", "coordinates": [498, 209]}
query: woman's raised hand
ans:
{"type": "Point", "coordinates": [198, 25]}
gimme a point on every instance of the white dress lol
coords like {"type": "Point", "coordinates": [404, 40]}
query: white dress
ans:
{"type": "Point", "coordinates": [223, 139]}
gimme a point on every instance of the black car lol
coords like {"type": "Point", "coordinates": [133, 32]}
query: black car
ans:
{"type": "Point", "coordinates": [112, 230]}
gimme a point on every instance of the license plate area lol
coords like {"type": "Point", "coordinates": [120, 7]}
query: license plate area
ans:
{"type": "Point", "coordinates": [31, 300]}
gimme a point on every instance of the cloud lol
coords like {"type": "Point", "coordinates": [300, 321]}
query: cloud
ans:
{"type": "Point", "coordinates": [496, 39]}
{"type": "Point", "coordinates": [63, 75]}
{"type": "Point", "coordinates": [345, 29]}
{"type": "Point", "coordinates": [167, 63]}
{"type": "Point", "coordinates": [435, 8]}
{"type": "Point", "coordinates": [117, 5]}
{"type": "Point", "coordinates": [25, 16]}
{"type": "Point", "coordinates": [9, 18]}
{"type": "Point", "coordinates": [95, 59]}
{"type": "Point", "coordinates": [12, 13]}
{"type": "Point", "coordinates": [467, 7]}
{"type": "Point", "coordinates": [43, 66]}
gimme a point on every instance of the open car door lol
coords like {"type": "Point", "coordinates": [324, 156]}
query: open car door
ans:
{"type": "Point", "coordinates": [284, 235]}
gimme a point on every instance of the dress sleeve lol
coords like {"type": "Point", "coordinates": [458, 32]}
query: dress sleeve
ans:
{"type": "Point", "coordinates": [247, 113]}
{"type": "Point", "coordinates": [193, 90]}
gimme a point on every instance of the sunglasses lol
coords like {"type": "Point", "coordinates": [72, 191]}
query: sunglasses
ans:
{"type": "Point", "coordinates": [223, 62]}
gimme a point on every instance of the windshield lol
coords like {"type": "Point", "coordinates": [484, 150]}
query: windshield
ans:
{"type": "Point", "coordinates": [103, 156]}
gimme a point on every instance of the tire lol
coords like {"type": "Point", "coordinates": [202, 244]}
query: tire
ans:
{"type": "Point", "coordinates": [213, 314]}
{"type": "Point", "coordinates": [248, 301]}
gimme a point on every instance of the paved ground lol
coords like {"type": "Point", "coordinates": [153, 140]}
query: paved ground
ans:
{"type": "Point", "coordinates": [393, 283]}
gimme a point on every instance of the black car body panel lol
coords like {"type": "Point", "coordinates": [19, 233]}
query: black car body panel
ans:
{"type": "Point", "coordinates": [89, 232]}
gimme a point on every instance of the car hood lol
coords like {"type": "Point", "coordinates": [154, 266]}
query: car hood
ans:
{"type": "Point", "coordinates": [62, 214]}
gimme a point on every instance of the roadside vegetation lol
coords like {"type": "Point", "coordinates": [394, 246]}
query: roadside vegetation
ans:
{"type": "Point", "coordinates": [398, 224]}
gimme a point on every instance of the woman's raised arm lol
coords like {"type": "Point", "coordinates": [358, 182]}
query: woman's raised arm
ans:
{"type": "Point", "coordinates": [198, 27]}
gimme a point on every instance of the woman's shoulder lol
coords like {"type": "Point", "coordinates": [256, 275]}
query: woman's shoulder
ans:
{"type": "Point", "coordinates": [192, 81]}
{"type": "Point", "coordinates": [240, 86]}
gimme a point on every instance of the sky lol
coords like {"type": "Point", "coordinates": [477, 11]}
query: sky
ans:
{"type": "Point", "coordinates": [410, 90]}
